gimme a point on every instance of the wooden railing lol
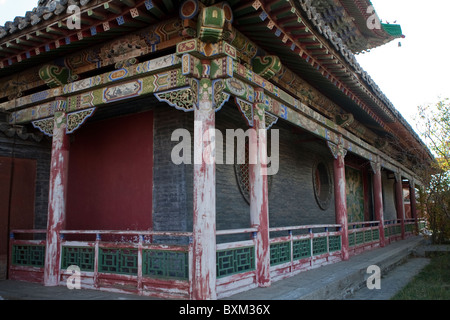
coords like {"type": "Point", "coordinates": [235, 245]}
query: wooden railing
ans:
{"type": "Point", "coordinates": [27, 256]}
{"type": "Point", "coordinates": [392, 230]}
{"type": "Point", "coordinates": [410, 227]}
{"type": "Point", "coordinates": [131, 261]}
{"type": "Point", "coordinates": [128, 261]}
{"type": "Point", "coordinates": [311, 246]}
{"type": "Point", "coordinates": [363, 235]}
{"type": "Point", "coordinates": [236, 262]}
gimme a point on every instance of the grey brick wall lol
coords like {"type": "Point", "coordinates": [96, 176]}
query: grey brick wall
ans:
{"type": "Point", "coordinates": [291, 194]}
{"type": "Point", "coordinates": [170, 187]}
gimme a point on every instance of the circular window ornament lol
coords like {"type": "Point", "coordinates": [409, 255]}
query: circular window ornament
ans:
{"type": "Point", "coordinates": [322, 184]}
{"type": "Point", "coordinates": [242, 172]}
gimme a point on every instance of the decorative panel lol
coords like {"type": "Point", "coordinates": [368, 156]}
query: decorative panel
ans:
{"type": "Point", "coordinates": [280, 253]}
{"type": "Point", "coordinates": [301, 249]}
{"type": "Point", "coordinates": [28, 255]}
{"type": "Point", "coordinates": [165, 264]}
{"type": "Point", "coordinates": [234, 261]}
{"type": "Point", "coordinates": [320, 246]}
{"type": "Point", "coordinates": [83, 257]}
{"type": "Point", "coordinates": [121, 261]}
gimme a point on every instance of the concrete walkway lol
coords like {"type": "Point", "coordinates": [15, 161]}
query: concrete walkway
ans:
{"type": "Point", "coordinates": [342, 280]}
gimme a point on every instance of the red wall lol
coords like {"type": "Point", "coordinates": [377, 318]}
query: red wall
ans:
{"type": "Point", "coordinates": [110, 175]}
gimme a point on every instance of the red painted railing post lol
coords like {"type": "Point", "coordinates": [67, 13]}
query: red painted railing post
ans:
{"type": "Point", "coordinates": [57, 195]}
{"type": "Point", "coordinates": [340, 196]}
{"type": "Point", "coordinates": [259, 198]}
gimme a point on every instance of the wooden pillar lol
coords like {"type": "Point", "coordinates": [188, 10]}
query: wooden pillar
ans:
{"type": "Point", "coordinates": [378, 200]}
{"type": "Point", "coordinates": [57, 195]}
{"type": "Point", "coordinates": [340, 196]}
{"type": "Point", "coordinates": [400, 206]}
{"type": "Point", "coordinates": [412, 198]}
{"type": "Point", "coordinates": [204, 215]}
{"type": "Point", "coordinates": [259, 195]}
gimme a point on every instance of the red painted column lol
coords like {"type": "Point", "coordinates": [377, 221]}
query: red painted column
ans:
{"type": "Point", "coordinates": [57, 196]}
{"type": "Point", "coordinates": [204, 215]}
{"type": "Point", "coordinates": [400, 206]}
{"type": "Point", "coordinates": [259, 196]}
{"type": "Point", "coordinates": [412, 198]}
{"type": "Point", "coordinates": [340, 196]}
{"type": "Point", "coordinates": [378, 200]}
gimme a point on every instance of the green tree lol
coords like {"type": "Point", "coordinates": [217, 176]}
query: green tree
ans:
{"type": "Point", "coordinates": [433, 122]}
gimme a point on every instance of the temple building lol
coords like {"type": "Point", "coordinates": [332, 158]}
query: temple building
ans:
{"type": "Point", "coordinates": [194, 149]}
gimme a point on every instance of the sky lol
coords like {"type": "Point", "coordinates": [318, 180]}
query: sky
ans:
{"type": "Point", "coordinates": [416, 73]}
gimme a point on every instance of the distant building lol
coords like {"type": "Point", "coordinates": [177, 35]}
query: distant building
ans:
{"type": "Point", "coordinates": [107, 157]}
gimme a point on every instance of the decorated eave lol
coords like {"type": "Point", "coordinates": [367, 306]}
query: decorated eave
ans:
{"type": "Point", "coordinates": [357, 23]}
{"type": "Point", "coordinates": [294, 31]}
{"type": "Point", "coordinates": [50, 29]}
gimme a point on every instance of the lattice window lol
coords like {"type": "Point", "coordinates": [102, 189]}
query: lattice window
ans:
{"type": "Point", "coordinates": [165, 264]}
{"type": "Point", "coordinates": [29, 255]}
{"type": "Point", "coordinates": [368, 236]}
{"type": "Point", "coordinates": [359, 238]}
{"type": "Point", "coordinates": [121, 261]}
{"type": "Point", "coordinates": [376, 235]}
{"type": "Point", "coordinates": [79, 256]}
{"type": "Point", "coordinates": [320, 246]}
{"type": "Point", "coordinates": [301, 249]}
{"type": "Point", "coordinates": [234, 261]}
{"type": "Point", "coordinates": [280, 253]}
{"type": "Point", "coordinates": [351, 239]}
{"type": "Point", "coordinates": [334, 243]}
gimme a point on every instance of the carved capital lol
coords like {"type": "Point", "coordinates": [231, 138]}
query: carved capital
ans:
{"type": "Point", "coordinates": [45, 126]}
{"type": "Point", "coordinates": [398, 176]}
{"type": "Point", "coordinates": [184, 99]}
{"type": "Point", "coordinates": [375, 166]}
{"type": "Point", "coordinates": [246, 109]}
{"type": "Point", "coordinates": [337, 150]}
{"type": "Point", "coordinates": [76, 119]}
